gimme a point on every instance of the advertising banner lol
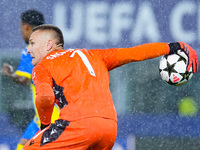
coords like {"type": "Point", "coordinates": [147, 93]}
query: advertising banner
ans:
{"type": "Point", "coordinates": [102, 24]}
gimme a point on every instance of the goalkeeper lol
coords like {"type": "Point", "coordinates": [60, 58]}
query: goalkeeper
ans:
{"type": "Point", "coordinates": [29, 20]}
{"type": "Point", "coordinates": [78, 81]}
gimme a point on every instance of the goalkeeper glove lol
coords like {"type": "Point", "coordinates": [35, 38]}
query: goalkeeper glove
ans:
{"type": "Point", "coordinates": [187, 52]}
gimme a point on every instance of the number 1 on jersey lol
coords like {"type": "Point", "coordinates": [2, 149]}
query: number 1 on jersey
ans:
{"type": "Point", "coordinates": [85, 61]}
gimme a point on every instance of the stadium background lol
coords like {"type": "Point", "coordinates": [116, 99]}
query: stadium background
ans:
{"type": "Point", "coordinates": [147, 107]}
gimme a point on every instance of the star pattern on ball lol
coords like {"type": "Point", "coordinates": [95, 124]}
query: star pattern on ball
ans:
{"type": "Point", "coordinates": [182, 59]}
{"type": "Point", "coordinates": [170, 68]}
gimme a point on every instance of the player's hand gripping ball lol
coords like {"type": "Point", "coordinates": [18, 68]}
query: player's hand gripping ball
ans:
{"type": "Point", "coordinates": [172, 69]}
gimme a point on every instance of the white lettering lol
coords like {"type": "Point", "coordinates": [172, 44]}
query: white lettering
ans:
{"type": "Point", "coordinates": [145, 25]}
{"type": "Point", "coordinates": [117, 147]}
{"type": "Point", "coordinates": [96, 22]}
{"type": "Point", "coordinates": [101, 22]}
{"type": "Point", "coordinates": [4, 147]}
{"type": "Point", "coordinates": [177, 19]}
{"type": "Point", "coordinates": [121, 19]}
{"type": "Point", "coordinates": [73, 33]}
{"type": "Point", "coordinates": [198, 23]}
{"type": "Point", "coordinates": [58, 54]}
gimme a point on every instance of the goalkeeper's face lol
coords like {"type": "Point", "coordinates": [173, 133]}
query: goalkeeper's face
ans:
{"type": "Point", "coordinates": [40, 45]}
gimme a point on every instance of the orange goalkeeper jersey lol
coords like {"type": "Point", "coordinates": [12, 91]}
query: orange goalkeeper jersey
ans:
{"type": "Point", "coordinates": [80, 80]}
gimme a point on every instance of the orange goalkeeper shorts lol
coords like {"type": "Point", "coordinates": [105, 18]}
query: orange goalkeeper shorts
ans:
{"type": "Point", "coordinates": [94, 133]}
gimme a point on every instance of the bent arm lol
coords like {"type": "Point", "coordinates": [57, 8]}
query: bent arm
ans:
{"type": "Point", "coordinates": [20, 79]}
{"type": "Point", "coordinates": [7, 70]}
{"type": "Point", "coordinates": [44, 93]}
{"type": "Point", "coordinates": [45, 102]}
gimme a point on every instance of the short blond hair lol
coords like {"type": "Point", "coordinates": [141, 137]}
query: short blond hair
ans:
{"type": "Point", "coordinates": [56, 32]}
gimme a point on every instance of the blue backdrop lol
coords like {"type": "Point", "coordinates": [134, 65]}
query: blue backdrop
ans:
{"type": "Point", "coordinates": [113, 23]}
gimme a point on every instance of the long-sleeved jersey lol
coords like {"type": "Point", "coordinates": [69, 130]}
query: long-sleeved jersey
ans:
{"type": "Point", "coordinates": [78, 80]}
{"type": "Point", "coordinates": [25, 69]}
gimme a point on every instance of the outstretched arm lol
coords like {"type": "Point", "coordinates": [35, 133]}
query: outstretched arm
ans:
{"type": "Point", "coordinates": [7, 70]}
{"type": "Point", "coordinates": [142, 52]}
{"type": "Point", "coordinates": [153, 50]}
{"type": "Point", "coordinates": [116, 57]}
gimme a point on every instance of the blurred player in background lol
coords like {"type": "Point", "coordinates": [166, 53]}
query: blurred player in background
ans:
{"type": "Point", "coordinates": [29, 20]}
{"type": "Point", "coordinates": [78, 81]}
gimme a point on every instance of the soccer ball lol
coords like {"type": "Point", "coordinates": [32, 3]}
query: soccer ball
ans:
{"type": "Point", "coordinates": [172, 69]}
